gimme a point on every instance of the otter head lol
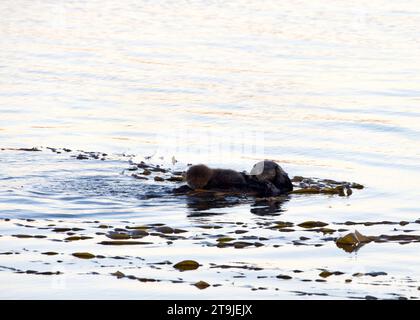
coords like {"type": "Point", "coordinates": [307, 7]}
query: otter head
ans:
{"type": "Point", "coordinates": [198, 176]}
{"type": "Point", "coordinates": [270, 171]}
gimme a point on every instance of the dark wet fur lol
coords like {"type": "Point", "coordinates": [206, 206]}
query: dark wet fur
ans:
{"type": "Point", "coordinates": [274, 177]}
{"type": "Point", "coordinates": [226, 179]}
{"type": "Point", "coordinates": [273, 182]}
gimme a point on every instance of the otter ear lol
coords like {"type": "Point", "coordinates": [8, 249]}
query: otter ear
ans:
{"type": "Point", "coordinates": [282, 180]}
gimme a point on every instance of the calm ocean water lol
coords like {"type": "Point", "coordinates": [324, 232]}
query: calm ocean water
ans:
{"type": "Point", "coordinates": [328, 90]}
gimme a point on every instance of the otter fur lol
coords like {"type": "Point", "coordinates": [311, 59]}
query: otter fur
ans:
{"type": "Point", "coordinates": [266, 179]}
{"type": "Point", "coordinates": [269, 171]}
{"type": "Point", "coordinates": [202, 177]}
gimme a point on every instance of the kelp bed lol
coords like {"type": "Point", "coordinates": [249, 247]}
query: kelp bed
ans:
{"type": "Point", "coordinates": [163, 253]}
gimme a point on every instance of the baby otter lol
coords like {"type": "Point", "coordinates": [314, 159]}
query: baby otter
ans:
{"type": "Point", "coordinates": [267, 179]}
{"type": "Point", "coordinates": [202, 177]}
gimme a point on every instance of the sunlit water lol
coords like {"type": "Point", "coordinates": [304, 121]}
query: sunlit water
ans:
{"type": "Point", "coordinates": [327, 90]}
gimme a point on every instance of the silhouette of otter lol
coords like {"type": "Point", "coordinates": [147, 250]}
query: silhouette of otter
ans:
{"type": "Point", "coordinates": [267, 179]}
{"type": "Point", "coordinates": [202, 177]}
{"type": "Point", "coordinates": [268, 171]}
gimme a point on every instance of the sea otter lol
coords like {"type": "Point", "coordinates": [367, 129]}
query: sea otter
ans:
{"type": "Point", "coordinates": [202, 177]}
{"type": "Point", "coordinates": [267, 179]}
{"type": "Point", "coordinates": [269, 171]}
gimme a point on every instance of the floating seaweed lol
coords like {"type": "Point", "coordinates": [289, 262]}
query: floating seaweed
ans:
{"type": "Point", "coordinates": [186, 265]}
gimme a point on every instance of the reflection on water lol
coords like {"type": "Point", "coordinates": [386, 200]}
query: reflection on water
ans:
{"type": "Point", "coordinates": [328, 91]}
{"type": "Point", "coordinates": [202, 206]}
{"type": "Point", "coordinates": [270, 207]}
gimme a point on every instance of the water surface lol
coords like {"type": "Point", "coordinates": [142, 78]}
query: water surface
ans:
{"type": "Point", "coordinates": [327, 90]}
